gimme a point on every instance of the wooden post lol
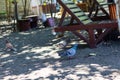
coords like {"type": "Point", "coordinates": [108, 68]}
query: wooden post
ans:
{"type": "Point", "coordinates": [6, 5]}
{"type": "Point", "coordinates": [112, 11]}
{"type": "Point", "coordinates": [92, 41]}
{"type": "Point", "coordinates": [16, 14]}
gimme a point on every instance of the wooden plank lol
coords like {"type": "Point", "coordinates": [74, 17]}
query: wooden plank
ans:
{"type": "Point", "coordinates": [79, 14]}
{"type": "Point", "coordinates": [83, 18]}
{"type": "Point", "coordinates": [71, 6]}
{"type": "Point", "coordinates": [86, 22]}
{"type": "Point", "coordinates": [76, 10]}
{"type": "Point", "coordinates": [68, 2]}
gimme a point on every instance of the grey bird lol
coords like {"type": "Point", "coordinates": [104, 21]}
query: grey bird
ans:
{"type": "Point", "coordinates": [70, 52]}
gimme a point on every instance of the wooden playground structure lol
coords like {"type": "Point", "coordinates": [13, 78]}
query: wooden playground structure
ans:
{"type": "Point", "coordinates": [94, 25]}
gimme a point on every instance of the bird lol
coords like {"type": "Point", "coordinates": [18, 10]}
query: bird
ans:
{"type": "Point", "coordinates": [70, 52]}
{"type": "Point", "coordinates": [63, 43]}
{"type": "Point", "coordinates": [9, 46]}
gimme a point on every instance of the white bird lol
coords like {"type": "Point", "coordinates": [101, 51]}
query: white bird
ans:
{"type": "Point", "coordinates": [63, 43]}
{"type": "Point", "coordinates": [70, 52]}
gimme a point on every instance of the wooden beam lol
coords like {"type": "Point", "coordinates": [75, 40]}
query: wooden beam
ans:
{"type": "Point", "coordinates": [62, 18]}
{"type": "Point", "coordinates": [92, 40]}
{"type": "Point", "coordinates": [80, 36]}
{"type": "Point", "coordinates": [86, 27]}
{"type": "Point", "coordinates": [103, 35]}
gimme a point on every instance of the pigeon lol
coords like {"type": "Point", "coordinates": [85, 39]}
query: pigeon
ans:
{"type": "Point", "coordinates": [62, 43]}
{"type": "Point", "coordinates": [70, 52]}
{"type": "Point", "coordinates": [9, 46]}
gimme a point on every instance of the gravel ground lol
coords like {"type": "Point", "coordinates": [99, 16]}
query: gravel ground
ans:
{"type": "Point", "coordinates": [37, 59]}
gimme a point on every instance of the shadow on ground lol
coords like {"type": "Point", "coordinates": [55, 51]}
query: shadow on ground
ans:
{"type": "Point", "coordinates": [36, 59]}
